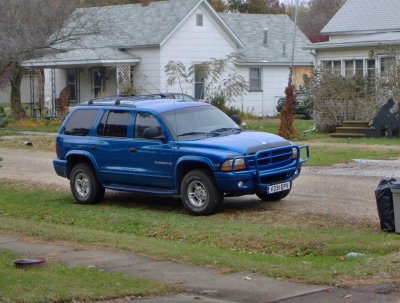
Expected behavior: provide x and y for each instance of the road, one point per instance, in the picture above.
(344, 190)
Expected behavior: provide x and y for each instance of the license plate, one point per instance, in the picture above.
(278, 187)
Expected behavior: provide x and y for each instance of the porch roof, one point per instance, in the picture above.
(83, 57)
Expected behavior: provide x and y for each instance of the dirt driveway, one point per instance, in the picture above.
(344, 190)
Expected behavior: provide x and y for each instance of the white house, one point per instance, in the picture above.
(143, 39)
(359, 35)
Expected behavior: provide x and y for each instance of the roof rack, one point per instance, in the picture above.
(117, 102)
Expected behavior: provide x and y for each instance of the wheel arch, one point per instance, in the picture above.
(79, 157)
(186, 164)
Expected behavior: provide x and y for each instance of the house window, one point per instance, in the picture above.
(359, 68)
(72, 84)
(334, 67)
(255, 79)
(199, 77)
(371, 69)
(337, 68)
(98, 74)
(199, 19)
(349, 68)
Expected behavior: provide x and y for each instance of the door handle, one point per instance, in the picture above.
(133, 150)
(92, 148)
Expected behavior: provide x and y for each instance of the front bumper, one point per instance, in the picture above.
(257, 180)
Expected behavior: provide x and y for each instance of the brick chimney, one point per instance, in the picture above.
(146, 2)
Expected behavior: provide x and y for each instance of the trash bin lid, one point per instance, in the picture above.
(395, 186)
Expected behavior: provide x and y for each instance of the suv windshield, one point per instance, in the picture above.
(199, 122)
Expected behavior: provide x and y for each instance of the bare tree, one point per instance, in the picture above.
(29, 28)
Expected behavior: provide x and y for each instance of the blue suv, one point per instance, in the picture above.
(171, 147)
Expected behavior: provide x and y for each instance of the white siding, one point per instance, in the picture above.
(192, 44)
(147, 72)
(5, 96)
(274, 82)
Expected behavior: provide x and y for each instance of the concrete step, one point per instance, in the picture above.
(346, 135)
(356, 124)
(352, 130)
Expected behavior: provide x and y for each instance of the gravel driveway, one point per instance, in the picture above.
(345, 190)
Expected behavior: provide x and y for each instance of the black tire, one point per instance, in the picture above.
(275, 196)
(200, 194)
(84, 185)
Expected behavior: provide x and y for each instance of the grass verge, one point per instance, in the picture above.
(305, 248)
(56, 283)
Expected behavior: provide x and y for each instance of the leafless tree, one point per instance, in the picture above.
(29, 28)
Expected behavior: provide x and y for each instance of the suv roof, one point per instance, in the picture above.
(158, 105)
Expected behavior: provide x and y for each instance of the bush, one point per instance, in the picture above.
(3, 120)
(335, 99)
(220, 103)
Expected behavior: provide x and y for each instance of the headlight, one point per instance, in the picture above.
(294, 154)
(238, 165)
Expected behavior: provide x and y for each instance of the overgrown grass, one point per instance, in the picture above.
(29, 124)
(306, 248)
(56, 283)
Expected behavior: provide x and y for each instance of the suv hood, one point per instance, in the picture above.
(246, 142)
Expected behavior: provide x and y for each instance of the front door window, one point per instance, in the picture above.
(97, 82)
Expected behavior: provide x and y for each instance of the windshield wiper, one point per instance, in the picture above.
(225, 129)
(193, 134)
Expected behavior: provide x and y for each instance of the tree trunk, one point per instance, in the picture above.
(17, 112)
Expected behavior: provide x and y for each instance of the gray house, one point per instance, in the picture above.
(358, 35)
(141, 40)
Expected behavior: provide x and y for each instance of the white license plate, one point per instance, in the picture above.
(278, 187)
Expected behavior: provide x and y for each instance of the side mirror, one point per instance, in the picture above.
(153, 132)
(236, 119)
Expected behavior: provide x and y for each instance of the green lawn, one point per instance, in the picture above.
(279, 244)
(56, 283)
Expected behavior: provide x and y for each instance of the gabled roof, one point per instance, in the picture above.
(250, 29)
(392, 38)
(134, 25)
(365, 16)
(77, 57)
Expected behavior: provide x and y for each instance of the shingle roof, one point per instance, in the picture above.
(250, 29)
(82, 56)
(367, 40)
(365, 16)
(134, 25)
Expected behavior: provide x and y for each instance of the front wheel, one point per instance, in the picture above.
(200, 194)
(275, 196)
(84, 185)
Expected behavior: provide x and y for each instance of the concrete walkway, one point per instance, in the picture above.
(203, 284)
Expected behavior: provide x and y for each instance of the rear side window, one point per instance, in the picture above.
(80, 123)
(114, 124)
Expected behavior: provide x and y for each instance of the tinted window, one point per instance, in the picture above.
(143, 121)
(114, 124)
(80, 123)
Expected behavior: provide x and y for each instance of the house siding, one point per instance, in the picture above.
(274, 81)
(193, 44)
(147, 72)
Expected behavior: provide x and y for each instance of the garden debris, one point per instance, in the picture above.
(247, 278)
(355, 255)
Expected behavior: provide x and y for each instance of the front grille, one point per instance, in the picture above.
(269, 159)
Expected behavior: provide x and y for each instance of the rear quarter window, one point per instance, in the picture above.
(80, 123)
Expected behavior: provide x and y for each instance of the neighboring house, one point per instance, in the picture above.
(359, 35)
(146, 38)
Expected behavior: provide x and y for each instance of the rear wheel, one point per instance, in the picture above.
(84, 185)
(200, 194)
